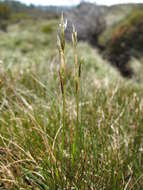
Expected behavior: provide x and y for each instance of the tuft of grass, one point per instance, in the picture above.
(63, 83)
(103, 152)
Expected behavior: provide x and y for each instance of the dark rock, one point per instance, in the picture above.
(88, 21)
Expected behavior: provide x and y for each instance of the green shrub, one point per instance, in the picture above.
(48, 28)
(126, 40)
(5, 13)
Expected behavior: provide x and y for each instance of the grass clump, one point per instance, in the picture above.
(76, 83)
(101, 125)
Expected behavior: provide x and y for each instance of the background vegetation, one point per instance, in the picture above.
(124, 41)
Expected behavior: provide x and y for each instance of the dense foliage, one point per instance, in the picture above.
(5, 13)
(15, 11)
(126, 40)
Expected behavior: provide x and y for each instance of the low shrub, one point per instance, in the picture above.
(48, 28)
(5, 13)
(126, 41)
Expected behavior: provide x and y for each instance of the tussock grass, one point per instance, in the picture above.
(108, 152)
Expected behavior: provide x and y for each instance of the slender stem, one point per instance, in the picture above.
(64, 113)
(77, 103)
(62, 73)
(63, 90)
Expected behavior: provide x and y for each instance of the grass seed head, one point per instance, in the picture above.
(74, 37)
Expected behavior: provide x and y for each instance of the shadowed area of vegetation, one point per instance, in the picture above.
(5, 13)
(125, 41)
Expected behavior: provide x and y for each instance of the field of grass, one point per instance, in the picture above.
(104, 151)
